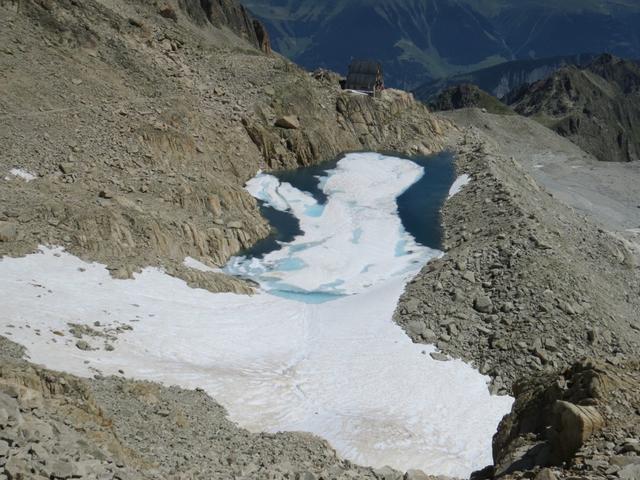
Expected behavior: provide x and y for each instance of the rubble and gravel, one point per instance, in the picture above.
(527, 284)
(529, 288)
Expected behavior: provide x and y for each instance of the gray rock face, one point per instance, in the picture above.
(230, 14)
(596, 106)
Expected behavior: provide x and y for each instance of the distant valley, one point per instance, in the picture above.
(422, 40)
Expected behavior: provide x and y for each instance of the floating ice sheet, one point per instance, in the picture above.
(355, 241)
(341, 369)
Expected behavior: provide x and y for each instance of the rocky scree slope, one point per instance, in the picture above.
(527, 289)
(141, 122)
(57, 426)
(526, 285)
(596, 106)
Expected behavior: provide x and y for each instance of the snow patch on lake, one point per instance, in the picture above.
(361, 205)
(338, 367)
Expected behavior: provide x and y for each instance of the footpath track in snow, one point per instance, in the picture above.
(315, 350)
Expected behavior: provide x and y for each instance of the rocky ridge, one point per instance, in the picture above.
(499, 80)
(529, 288)
(468, 96)
(526, 285)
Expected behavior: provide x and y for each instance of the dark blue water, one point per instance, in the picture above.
(284, 228)
(418, 207)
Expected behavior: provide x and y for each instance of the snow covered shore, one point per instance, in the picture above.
(315, 350)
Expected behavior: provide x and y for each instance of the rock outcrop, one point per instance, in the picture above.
(552, 418)
(230, 14)
(468, 96)
(581, 421)
(393, 121)
(597, 106)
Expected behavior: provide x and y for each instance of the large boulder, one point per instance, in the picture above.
(8, 232)
(572, 426)
(552, 417)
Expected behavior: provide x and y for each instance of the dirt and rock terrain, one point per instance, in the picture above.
(127, 131)
(139, 129)
(58, 426)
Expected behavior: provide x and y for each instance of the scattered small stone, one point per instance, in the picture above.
(289, 122)
(67, 168)
(483, 304)
(440, 357)
(106, 194)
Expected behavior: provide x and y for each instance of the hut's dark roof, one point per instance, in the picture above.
(363, 75)
(370, 67)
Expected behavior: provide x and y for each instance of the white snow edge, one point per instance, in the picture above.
(460, 182)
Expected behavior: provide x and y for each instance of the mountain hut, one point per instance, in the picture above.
(365, 76)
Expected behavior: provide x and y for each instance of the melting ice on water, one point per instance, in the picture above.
(285, 358)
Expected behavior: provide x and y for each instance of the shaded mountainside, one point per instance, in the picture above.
(500, 80)
(597, 107)
(468, 96)
(415, 40)
(419, 41)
